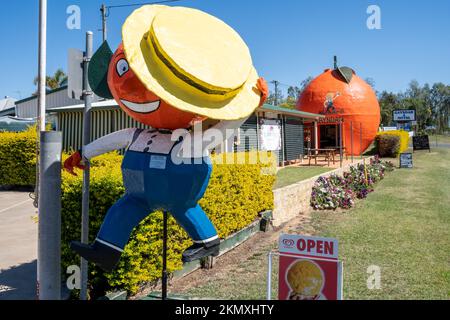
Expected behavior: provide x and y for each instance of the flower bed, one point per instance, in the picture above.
(330, 193)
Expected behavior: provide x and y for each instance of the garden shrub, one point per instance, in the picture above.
(388, 145)
(233, 199)
(18, 158)
(392, 143)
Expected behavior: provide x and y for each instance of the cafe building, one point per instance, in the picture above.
(350, 109)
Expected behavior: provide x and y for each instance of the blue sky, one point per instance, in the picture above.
(289, 39)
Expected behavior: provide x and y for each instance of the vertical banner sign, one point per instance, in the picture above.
(309, 268)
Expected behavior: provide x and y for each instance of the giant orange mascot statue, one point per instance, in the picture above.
(175, 67)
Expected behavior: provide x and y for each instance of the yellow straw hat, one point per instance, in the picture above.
(191, 60)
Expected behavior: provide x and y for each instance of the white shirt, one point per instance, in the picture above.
(186, 144)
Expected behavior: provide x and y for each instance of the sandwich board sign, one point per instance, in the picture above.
(406, 160)
(421, 143)
(309, 268)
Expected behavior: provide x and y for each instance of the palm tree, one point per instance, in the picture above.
(54, 82)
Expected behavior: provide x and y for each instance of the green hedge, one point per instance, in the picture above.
(18, 158)
(235, 196)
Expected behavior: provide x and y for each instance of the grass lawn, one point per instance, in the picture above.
(290, 175)
(403, 227)
(440, 139)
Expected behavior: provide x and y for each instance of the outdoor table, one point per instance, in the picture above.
(329, 154)
(344, 151)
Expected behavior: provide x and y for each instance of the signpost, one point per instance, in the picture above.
(404, 115)
(309, 269)
(406, 160)
(87, 97)
(75, 65)
(49, 185)
(421, 143)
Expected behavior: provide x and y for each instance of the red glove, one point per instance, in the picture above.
(74, 161)
(261, 84)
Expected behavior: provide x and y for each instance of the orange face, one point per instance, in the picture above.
(140, 103)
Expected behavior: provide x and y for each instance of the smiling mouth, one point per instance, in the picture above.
(146, 107)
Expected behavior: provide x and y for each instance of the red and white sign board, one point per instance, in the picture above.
(309, 268)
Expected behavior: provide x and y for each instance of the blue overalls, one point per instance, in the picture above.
(153, 181)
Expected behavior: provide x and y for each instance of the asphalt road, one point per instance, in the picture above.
(439, 145)
(18, 246)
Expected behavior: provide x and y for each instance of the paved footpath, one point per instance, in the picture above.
(18, 246)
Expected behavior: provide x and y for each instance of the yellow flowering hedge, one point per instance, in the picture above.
(18, 158)
(403, 144)
(237, 192)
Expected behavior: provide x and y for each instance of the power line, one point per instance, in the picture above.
(141, 4)
(105, 10)
(275, 82)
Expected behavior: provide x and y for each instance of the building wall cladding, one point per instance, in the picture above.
(291, 136)
(293, 139)
(106, 121)
(27, 108)
(103, 122)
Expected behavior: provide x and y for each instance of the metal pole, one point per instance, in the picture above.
(42, 60)
(269, 276)
(360, 139)
(164, 257)
(316, 135)
(87, 96)
(49, 228)
(340, 140)
(351, 138)
(275, 82)
(103, 11)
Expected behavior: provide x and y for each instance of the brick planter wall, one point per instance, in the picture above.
(293, 200)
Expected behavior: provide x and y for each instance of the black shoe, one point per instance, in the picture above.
(102, 255)
(201, 250)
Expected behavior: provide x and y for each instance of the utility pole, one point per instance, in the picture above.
(276, 83)
(87, 96)
(42, 65)
(104, 31)
(48, 185)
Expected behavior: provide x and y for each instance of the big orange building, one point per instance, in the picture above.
(346, 100)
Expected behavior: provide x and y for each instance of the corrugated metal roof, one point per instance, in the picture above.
(267, 107)
(7, 103)
(34, 97)
(291, 112)
(100, 104)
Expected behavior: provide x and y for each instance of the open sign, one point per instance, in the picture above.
(309, 246)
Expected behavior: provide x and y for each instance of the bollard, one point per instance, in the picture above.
(49, 228)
